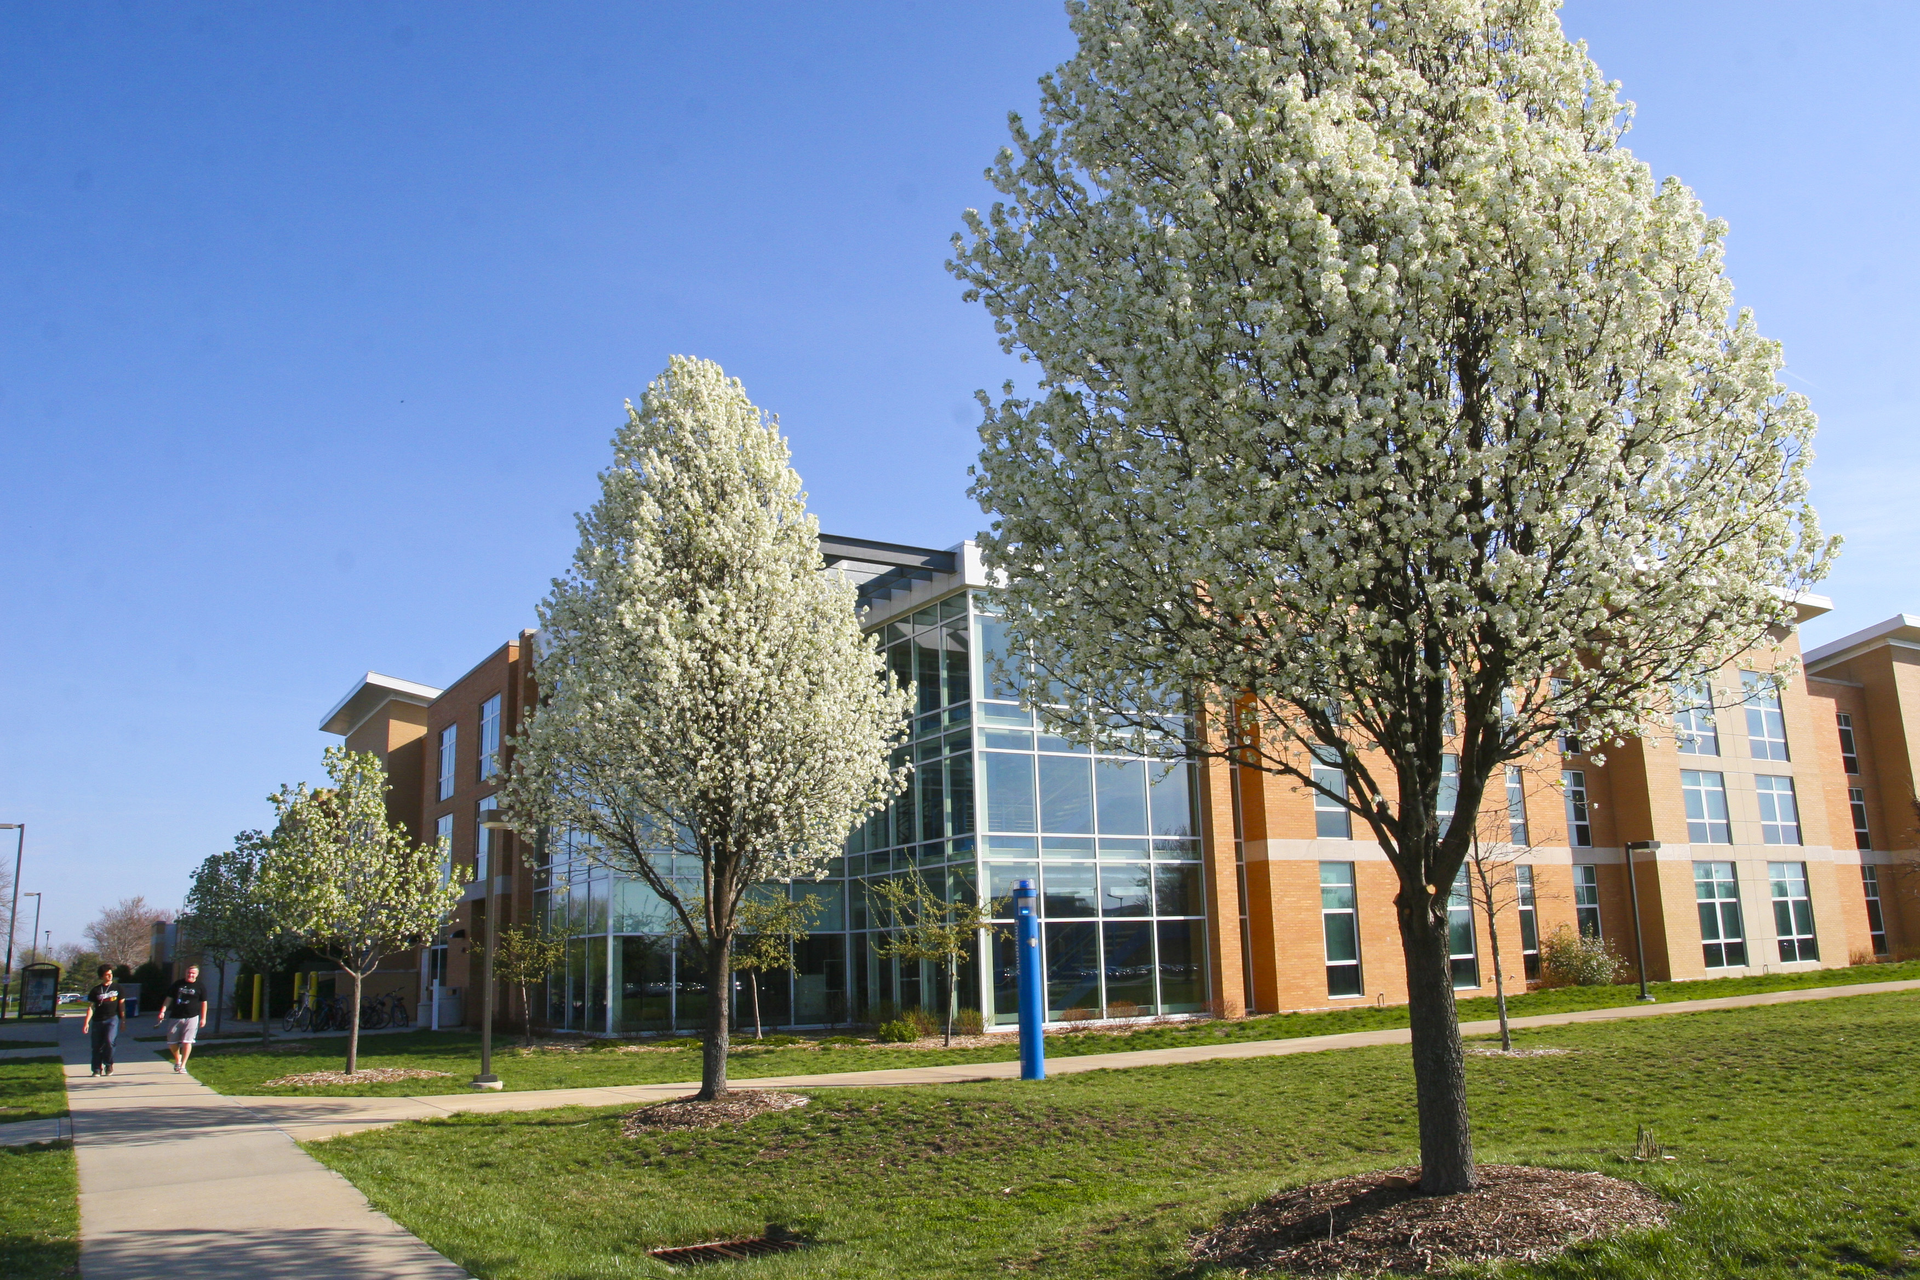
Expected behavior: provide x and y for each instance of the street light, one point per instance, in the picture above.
(1633, 893)
(486, 1079)
(13, 912)
(33, 938)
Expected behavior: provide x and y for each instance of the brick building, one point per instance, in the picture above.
(1785, 824)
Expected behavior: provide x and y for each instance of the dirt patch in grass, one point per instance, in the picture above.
(739, 1106)
(1495, 1051)
(365, 1075)
(1379, 1222)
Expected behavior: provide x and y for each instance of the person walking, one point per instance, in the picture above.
(187, 999)
(104, 1008)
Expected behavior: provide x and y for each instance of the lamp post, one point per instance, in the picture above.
(13, 912)
(1633, 893)
(33, 936)
(486, 1079)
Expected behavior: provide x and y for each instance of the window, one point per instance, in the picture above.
(1849, 753)
(449, 746)
(1857, 801)
(483, 838)
(1779, 816)
(443, 837)
(1460, 945)
(1529, 922)
(1876, 922)
(1331, 820)
(1693, 727)
(1449, 788)
(1569, 736)
(1706, 796)
(1766, 727)
(489, 737)
(1579, 830)
(1586, 899)
(1340, 927)
(1792, 911)
(1516, 806)
(1722, 934)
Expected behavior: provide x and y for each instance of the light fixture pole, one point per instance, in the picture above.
(13, 912)
(486, 1079)
(33, 937)
(1633, 893)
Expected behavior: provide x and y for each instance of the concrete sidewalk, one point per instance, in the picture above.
(176, 1180)
(308, 1119)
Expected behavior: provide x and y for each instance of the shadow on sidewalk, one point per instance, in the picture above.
(311, 1253)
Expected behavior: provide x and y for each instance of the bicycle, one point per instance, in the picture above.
(373, 1014)
(388, 1010)
(299, 1018)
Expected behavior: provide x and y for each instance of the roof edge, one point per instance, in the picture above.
(368, 695)
(1866, 638)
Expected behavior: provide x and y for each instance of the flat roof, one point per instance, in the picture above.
(1901, 627)
(881, 570)
(371, 692)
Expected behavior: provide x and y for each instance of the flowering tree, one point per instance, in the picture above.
(225, 913)
(1380, 386)
(349, 880)
(708, 694)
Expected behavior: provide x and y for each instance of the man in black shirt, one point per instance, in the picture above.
(188, 1000)
(103, 1020)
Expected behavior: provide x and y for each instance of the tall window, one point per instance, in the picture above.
(1331, 820)
(443, 837)
(1516, 806)
(1766, 727)
(1693, 726)
(1529, 922)
(1568, 738)
(1706, 796)
(489, 737)
(1857, 802)
(1340, 926)
(1722, 934)
(1849, 753)
(483, 838)
(1876, 921)
(1460, 944)
(1586, 898)
(1579, 829)
(1449, 797)
(1792, 911)
(449, 748)
(1779, 815)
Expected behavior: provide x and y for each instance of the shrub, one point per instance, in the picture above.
(1569, 959)
(969, 1022)
(899, 1031)
(921, 1021)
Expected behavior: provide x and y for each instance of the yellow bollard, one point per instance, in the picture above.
(256, 997)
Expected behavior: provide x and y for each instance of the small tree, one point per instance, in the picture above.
(713, 717)
(1502, 837)
(123, 932)
(927, 926)
(770, 928)
(352, 882)
(523, 956)
(225, 911)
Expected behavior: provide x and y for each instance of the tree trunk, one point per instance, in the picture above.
(266, 1002)
(953, 997)
(1439, 1063)
(713, 1054)
(353, 1025)
(753, 976)
(1499, 975)
(526, 1014)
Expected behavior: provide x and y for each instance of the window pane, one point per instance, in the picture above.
(1126, 889)
(1068, 890)
(1176, 889)
(1129, 967)
(1010, 805)
(1171, 786)
(959, 664)
(1343, 936)
(1066, 793)
(1183, 964)
(1073, 969)
(1122, 789)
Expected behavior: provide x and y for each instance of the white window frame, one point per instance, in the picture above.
(490, 737)
(1876, 912)
(1586, 899)
(1723, 934)
(1524, 907)
(1857, 805)
(1568, 738)
(1694, 730)
(1792, 911)
(1579, 817)
(1448, 799)
(1779, 809)
(443, 837)
(483, 838)
(1849, 746)
(1331, 819)
(1352, 913)
(1766, 721)
(1706, 791)
(449, 755)
(1459, 915)
(1516, 805)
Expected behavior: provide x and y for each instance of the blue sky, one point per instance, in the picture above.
(315, 322)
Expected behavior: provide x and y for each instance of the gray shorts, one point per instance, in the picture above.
(182, 1030)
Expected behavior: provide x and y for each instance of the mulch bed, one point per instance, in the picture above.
(1379, 1222)
(1495, 1051)
(739, 1106)
(365, 1075)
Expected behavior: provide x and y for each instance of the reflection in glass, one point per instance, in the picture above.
(1121, 786)
(1073, 970)
(1066, 793)
(1009, 791)
(1068, 891)
(1176, 889)
(1129, 969)
(1126, 889)
(1182, 964)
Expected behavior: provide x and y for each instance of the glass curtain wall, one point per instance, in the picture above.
(1113, 840)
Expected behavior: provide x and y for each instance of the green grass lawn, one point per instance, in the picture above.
(39, 1212)
(239, 1068)
(1795, 1129)
(31, 1089)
